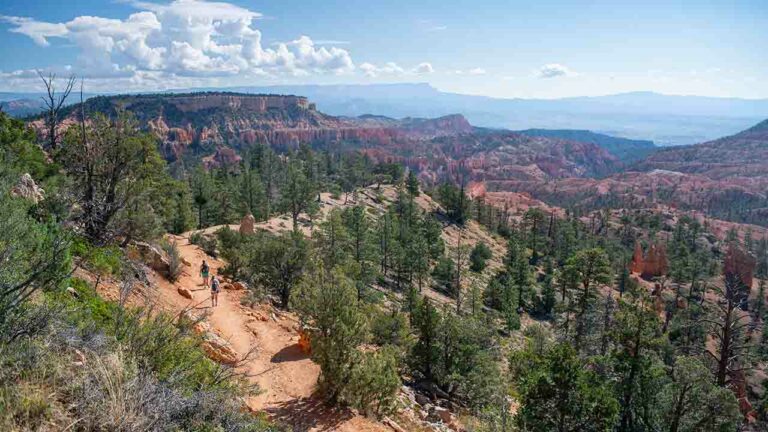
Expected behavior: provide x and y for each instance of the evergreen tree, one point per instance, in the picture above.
(298, 193)
(479, 255)
(561, 395)
(112, 165)
(362, 244)
(426, 320)
(692, 403)
(328, 302)
(202, 194)
(589, 268)
(412, 183)
(276, 263)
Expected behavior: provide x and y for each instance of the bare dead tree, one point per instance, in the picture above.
(54, 100)
(727, 328)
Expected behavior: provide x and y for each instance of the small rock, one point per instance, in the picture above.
(81, 360)
(185, 262)
(73, 292)
(184, 292)
(422, 400)
(391, 423)
(201, 327)
(442, 414)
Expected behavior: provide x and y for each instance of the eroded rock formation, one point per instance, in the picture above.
(739, 263)
(652, 264)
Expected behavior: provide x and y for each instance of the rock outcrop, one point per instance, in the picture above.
(27, 188)
(150, 255)
(248, 225)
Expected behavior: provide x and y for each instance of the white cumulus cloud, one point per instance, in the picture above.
(183, 38)
(554, 70)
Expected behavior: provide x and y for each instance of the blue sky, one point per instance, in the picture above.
(489, 47)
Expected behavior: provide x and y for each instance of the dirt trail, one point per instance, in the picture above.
(286, 376)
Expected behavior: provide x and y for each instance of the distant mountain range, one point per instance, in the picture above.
(627, 150)
(663, 119)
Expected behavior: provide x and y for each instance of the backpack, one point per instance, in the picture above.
(205, 268)
(215, 285)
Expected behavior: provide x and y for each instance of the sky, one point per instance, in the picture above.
(541, 49)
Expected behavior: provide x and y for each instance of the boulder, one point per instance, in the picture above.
(237, 286)
(184, 292)
(248, 225)
(219, 350)
(150, 255)
(27, 188)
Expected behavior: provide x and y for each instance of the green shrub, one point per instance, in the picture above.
(479, 255)
(207, 243)
(374, 382)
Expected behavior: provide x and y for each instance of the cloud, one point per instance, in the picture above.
(423, 68)
(554, 70)
(393, 69)
(429, 25)
(183, 38)
(39, 32)
(473, 71)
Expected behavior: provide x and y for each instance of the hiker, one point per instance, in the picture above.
(215, 284)
(204, 269)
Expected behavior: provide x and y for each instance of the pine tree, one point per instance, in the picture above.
(412, 183)
(589, 268)
(426, 320)
(562, 395)
(327, 301)
(298, 193)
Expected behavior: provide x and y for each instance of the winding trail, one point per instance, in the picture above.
(286, 376)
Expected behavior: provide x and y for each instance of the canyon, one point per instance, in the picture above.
(724, 178)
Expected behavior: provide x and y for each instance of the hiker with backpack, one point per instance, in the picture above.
(215, 287)
(204, 270)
